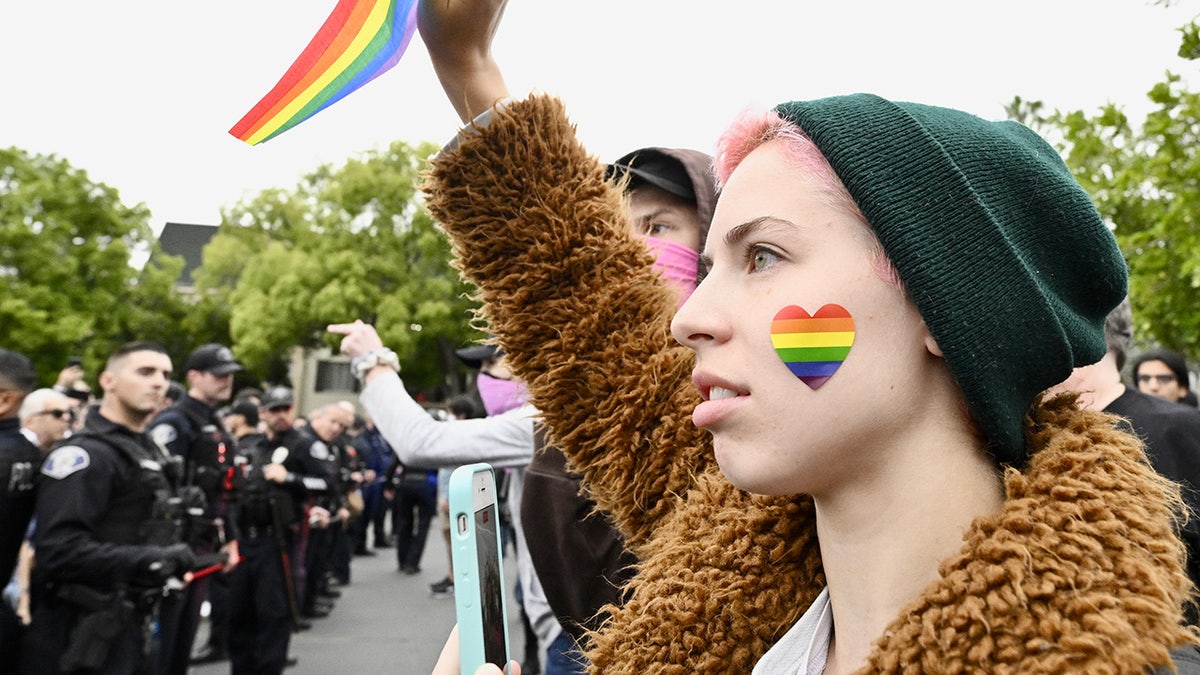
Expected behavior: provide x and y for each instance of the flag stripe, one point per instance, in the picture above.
(358, 42)
(812, 339)
(811, 354)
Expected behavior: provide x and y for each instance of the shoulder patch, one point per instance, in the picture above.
(65, 461)
(319, 450)
(280, 455)
(163, 434)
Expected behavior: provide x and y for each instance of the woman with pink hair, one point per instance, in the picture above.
(835, 457)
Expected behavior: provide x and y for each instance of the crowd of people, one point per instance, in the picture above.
(125, 515)
(846, 395)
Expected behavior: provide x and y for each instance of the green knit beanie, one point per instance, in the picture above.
(998, 246)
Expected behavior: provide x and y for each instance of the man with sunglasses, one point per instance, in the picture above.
(47, 416)
(1171, 432)
(281, 476)
(1163, 373)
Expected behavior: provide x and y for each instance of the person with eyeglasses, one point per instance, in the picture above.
(1171, 432)
(47, 416)
(1163, 373)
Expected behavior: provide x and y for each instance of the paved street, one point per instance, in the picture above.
(385, 621)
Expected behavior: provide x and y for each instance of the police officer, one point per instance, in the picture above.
(327, 424)
(108, 529)
(19, 460)
(280, 476)
(192, 430)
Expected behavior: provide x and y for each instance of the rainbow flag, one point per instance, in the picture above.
(359, 41)
(813, 347)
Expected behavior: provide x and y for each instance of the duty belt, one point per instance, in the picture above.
(257, 531)
(91, 599)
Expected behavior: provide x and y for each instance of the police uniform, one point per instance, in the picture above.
(322, 460)
(414, 506)
(19, 462)
(349, 464)
(107, 539)
(192, 431)
(263, 604)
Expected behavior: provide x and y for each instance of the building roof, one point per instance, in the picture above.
(187, 241)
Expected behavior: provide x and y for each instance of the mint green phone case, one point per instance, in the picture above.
(479, 597)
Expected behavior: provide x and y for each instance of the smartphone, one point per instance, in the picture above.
(479, 602)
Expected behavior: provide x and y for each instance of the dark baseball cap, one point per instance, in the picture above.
(277, 397)
(247, 409)
(653, 166)
(475, 355)
(213, 358)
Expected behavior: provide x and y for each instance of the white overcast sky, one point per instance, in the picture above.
(141, 93)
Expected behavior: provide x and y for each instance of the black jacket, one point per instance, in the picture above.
(19, 462)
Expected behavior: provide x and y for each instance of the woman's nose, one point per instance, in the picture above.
(699, 320)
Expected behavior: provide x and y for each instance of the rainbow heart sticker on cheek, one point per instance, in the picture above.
(813, 346)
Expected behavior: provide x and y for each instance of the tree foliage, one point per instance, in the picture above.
(66, 283)
(348, 242)
(1146, 182)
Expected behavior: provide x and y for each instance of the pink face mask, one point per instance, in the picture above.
(677, 263)
(500, 395)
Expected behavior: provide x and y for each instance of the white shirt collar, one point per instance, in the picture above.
(30, 436)
(804, 649)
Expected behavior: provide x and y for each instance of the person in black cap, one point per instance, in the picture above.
(242, 421)
(192, 431)
(279, 476)
(671, 194)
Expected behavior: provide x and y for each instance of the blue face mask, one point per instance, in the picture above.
(500, 395)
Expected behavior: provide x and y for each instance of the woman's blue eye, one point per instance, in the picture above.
(762, 258)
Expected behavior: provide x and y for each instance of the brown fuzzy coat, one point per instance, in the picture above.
(1079, 572)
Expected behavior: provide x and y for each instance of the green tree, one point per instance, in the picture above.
(348, 242)
(1146, 182)
(66, 283)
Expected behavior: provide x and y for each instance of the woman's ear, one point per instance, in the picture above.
(931, 344)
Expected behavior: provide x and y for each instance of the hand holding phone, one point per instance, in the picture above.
(448, 661)
(479, 598)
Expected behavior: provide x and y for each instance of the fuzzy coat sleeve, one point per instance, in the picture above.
(574, 300)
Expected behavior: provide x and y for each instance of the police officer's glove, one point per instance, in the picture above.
(173, 561)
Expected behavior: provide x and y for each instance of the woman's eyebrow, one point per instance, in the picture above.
(739, 233)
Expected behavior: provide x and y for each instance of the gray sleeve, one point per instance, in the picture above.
(423, 442)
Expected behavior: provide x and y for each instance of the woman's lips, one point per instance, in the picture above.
(720, 400)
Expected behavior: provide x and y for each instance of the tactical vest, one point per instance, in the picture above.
(146, 511)
(260, 501)
(210, 460)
